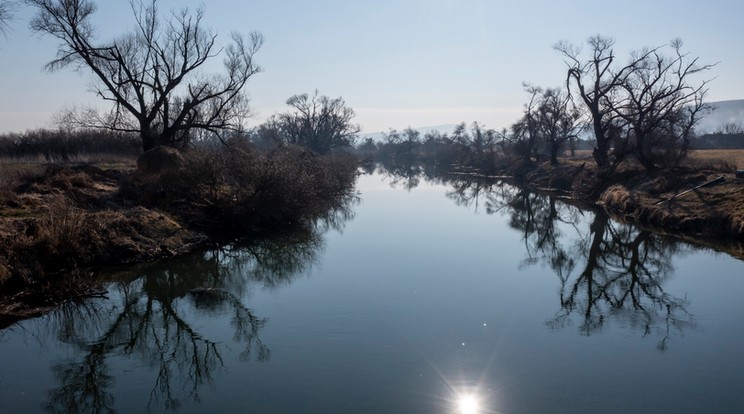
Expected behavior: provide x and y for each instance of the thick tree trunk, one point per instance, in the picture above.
(600, 152)
(150, 140)
(554, 147)
(644, 155)
(602, 145)
(645, 161)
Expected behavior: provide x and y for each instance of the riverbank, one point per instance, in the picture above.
(702, 199)
(59, 223)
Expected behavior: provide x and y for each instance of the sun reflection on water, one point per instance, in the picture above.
(472, 399)
(468, 404)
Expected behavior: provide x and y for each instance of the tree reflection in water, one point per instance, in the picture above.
(406, 172)
(612, 271)
(147, 319)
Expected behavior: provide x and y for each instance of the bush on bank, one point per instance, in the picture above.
(238, 191)
(65, 220)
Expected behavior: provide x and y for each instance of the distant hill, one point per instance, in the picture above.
(725, 112)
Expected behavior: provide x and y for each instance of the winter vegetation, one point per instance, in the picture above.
(170, 162)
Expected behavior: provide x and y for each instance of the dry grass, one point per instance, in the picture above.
(734, 157)
(14, 174)
(59, 213)
(638, 195)
(714, 211)
(57, 219)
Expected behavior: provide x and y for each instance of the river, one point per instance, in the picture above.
(423, 296)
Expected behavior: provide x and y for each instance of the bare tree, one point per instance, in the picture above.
(525, 132)
(478, 147)
(730, 128)
(318, 123)
(647, 106)
(153, 76)
(660, 106)
(557, 120)
(597, 82)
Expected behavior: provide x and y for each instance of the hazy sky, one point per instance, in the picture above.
(397, 62)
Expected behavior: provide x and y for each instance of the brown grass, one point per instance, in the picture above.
(59, 221)
(734, 157)
(58, 217)
(635, 194)
(14, 174)
(709, 211)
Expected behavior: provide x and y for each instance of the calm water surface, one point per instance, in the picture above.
(455, 297)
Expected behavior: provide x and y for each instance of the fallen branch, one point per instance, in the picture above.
(710, 183)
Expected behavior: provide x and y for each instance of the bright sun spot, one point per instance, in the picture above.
(467, 404)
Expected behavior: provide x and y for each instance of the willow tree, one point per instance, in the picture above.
(647, 106)
(153, 76)
(318, 122)
(661, 105)
(597, 80)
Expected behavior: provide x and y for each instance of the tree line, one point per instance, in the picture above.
(644, 108)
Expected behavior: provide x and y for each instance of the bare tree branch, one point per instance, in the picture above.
(153, 76)
(318, 123)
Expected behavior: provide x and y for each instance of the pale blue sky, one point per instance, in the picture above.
(398, 62)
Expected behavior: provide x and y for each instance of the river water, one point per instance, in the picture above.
(458, 297)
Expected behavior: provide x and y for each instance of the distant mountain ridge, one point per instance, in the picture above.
(724, 112)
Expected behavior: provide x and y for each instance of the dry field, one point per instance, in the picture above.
(734, 157)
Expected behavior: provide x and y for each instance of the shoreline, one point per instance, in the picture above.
(59, 227)
(711, 216)
(74, 220)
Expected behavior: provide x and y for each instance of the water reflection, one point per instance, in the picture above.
(623, 277)
(468, 404)
(608, 271)
(147, 320)
(403, 171)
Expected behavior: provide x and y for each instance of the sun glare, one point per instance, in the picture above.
(467, 404)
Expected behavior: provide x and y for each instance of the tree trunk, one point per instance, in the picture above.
(149, 140)
(554, 147)
(643, 153)
(600, 150)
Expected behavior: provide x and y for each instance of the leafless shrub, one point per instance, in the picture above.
(43, 145)
(240, 189)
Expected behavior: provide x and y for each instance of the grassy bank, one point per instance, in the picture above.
(59, 222)
(667, 199)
